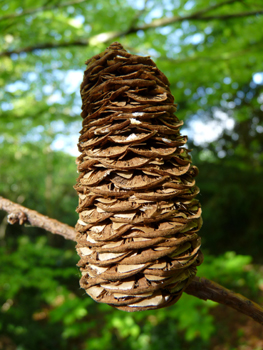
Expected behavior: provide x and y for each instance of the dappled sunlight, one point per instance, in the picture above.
(204, 132)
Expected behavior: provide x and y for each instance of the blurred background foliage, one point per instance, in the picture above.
(211, 51)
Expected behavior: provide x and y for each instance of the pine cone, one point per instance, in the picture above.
(138, 216)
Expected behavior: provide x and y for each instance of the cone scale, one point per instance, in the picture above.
(137, 233)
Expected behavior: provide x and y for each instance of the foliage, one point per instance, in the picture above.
(60, 316)
(213, 61)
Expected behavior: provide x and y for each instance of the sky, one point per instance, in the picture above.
(201, 132)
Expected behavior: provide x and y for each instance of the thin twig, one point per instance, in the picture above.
(138, 15)
(195, 16)
(201, 288)
(19, 214)
(205, 289)
(45, 46)
(109, 36)
(40, 9)
(233, 15)
(224, 57)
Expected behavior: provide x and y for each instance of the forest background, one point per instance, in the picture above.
(211, 52)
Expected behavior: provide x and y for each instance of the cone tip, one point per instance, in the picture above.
(116, 46)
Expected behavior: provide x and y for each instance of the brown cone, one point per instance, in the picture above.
(138, 216)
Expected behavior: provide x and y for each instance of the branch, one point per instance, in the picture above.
(195, 16)
(205, 289)
(138, 15)
(22, 215)
(40, 9)
(201, 288)
(109, 36)
(45, 46)
(224, 57)
(233, 15)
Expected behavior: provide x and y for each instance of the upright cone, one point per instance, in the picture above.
(138, 216)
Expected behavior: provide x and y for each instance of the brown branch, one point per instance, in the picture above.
(20, 214)
(195, 16)
(31, 11)
(40, 9)
(138, 15)
(45, 46)
(109, 36)
(224, 57)
(201, 288)
(233, 15)
(205, 289)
